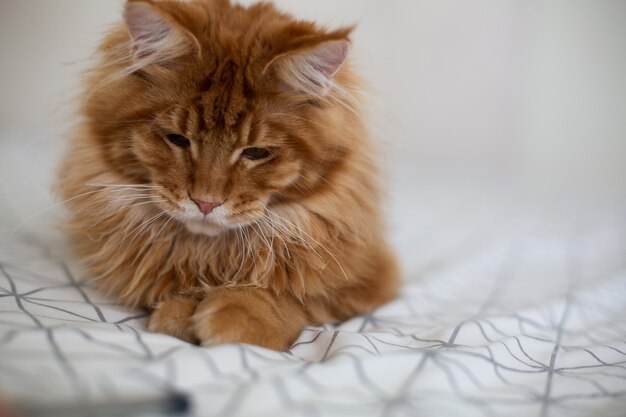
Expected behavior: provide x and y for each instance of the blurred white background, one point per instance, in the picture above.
(529, 90)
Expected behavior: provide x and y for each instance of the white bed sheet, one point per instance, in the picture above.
(511, 306)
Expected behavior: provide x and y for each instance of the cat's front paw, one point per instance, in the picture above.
(173, 317)
(241, 316)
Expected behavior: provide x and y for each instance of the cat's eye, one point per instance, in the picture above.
(178, 140)
(256, 153)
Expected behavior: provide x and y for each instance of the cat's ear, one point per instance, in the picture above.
(156, 37)
(311, 70)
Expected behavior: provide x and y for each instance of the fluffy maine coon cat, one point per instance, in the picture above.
(222, 176)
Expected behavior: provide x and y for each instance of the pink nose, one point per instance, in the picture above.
(206, 206)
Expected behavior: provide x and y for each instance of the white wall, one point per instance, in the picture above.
(534, 88)
(574, 91)
(43, 45)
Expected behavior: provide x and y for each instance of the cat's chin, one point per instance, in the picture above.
(203, 228)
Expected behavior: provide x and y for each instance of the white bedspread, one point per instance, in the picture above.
(510, 307)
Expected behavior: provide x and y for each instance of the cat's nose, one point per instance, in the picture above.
(206, 206)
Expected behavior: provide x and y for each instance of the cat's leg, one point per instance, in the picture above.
(248, 315)
(173, 317)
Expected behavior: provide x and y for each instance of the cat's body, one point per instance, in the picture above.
(221, 179)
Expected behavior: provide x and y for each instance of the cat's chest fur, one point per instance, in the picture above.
(142, 258)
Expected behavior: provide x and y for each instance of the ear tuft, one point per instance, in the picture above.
(155, 37)
(311, 71)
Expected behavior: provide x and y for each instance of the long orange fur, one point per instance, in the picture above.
(300, 240)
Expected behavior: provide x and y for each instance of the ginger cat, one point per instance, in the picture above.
(221, 175)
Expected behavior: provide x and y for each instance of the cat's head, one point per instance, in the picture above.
(226, 109)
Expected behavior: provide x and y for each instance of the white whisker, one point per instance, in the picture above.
(21, 224)
(315, 241)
